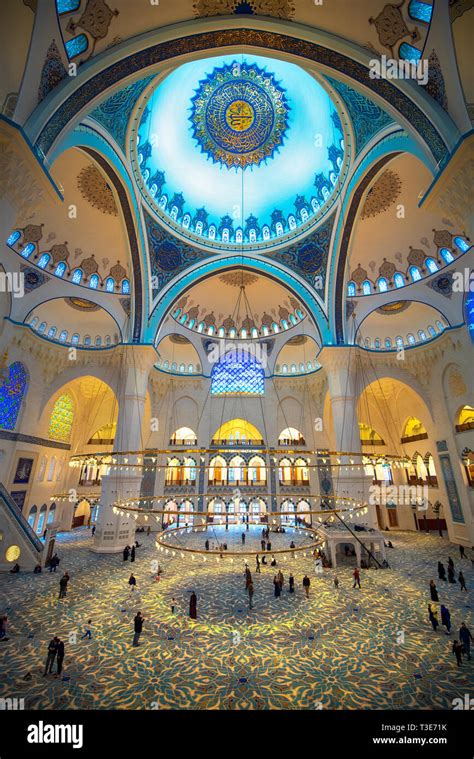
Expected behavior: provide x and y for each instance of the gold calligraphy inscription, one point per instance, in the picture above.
(239, 115)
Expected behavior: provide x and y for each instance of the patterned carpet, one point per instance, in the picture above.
(341, 649)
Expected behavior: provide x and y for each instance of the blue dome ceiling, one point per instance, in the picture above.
(239, 152)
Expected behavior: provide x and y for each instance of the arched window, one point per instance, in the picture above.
(399, 341)
(414, 273)
(293, 368)
(408, 52)
(190, 368)
(125, 287)
(94, 282)
(420, 11)
(12, 392)
(75, 338)
(13, 238)
(377, 343)
(34, 322)
(186, 221)
(431, 330)
(87, 340)
(398, 279)
(422, 334)
(51, 468)
(28, 250)
(278, 228)
(63, 336)
(382, 284)
(446, 255)
(225, 235)
(163, 202)
(275, 327)
(98, 341)
(366, 287)
(61, 420)
(51, 514)
(239, 236)
(41, 518)
(110, 284)
(237, 373)
(291, 222)
(314, 205)
(439, 326)
(388, 343)
(42, 327)
(266, 232)
(77, 276)
(60, 269)
(411, 339)
(462, 244)
(199, 227)
(351, 289)
(52, 332)
(431, 265)
(212, 232)
(32, 516)
(253, 235)
(76, 46)
(108, 341)
(44, 260)
(304, 215)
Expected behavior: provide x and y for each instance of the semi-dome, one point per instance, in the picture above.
(239, 151)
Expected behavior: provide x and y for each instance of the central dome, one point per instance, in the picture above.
(243, 152)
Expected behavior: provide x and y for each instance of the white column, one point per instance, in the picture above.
(114, 531)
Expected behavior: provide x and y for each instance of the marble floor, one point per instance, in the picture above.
(372, 648)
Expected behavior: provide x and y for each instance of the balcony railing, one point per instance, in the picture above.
(226, 482)
(239, 443)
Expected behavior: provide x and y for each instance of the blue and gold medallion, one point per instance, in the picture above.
(239, 115)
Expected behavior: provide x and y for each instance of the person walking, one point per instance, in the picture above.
(433, 591)
(462, 552)
(248, 577)
(451, 576)
(306, 585)
(276, 587)
(250, 590)
(356, 575)
(281, 579)
(462, 581)
(126, 553)
(88, 632)
(193, 606)
(137, 627)
(291, 584)
(450, 562)
(243, 538)
(60, 657)
(132, 553)
(446, 619)
(465, 637)
(441, 571)
(63, 585)
(257, 565)
(457, 651)
(173, 605)
(132, 582)
(433, 617)
(52, 651)
(93, 530)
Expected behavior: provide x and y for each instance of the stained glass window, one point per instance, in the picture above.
(366, 287)
(76, 46)
(77, 276)
(461, 243)
(110, 284)
(67, 6)
(94, 282)
(63, 336)
(398, 279)
(351, 289)
(12, 391)
(431, 265)
(446, 255)
(469, 311)
(420, 11)
(28, 250)
(62, 417)
(125, 286)
(414, 273)
(14, 237)
(43, 262)
(237, 373)
(60, 269)
(408, 52)
(382, 284)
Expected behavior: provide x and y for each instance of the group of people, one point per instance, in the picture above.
(130, 551)
(463, 644)
(55, 653)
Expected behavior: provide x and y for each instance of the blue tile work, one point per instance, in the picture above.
(114, 113)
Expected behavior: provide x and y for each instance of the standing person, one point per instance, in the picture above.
(276, 587)
(93, 530)
(446, 619)
(250, 589)
(441, 571)
(336, 581)
(63, 585)
(243, 538)
(262, 543)
(88, 632)
(356, 575)
(433, 591)
(281, 579)
(451, 576)
(132, 553)
(138, 627)
(248, 577)
(52, 651)
(173, 605)
(465, 637)
(132, 582)
(457, 651)
(462, 581)
(462, 553)
(269, 546)
(206, 545)
(60, 657)
(432, 617)
(126, 553)
(291, 584)
(3, 627)
(148, 531)
(306, 585)
(193, 606)
(257, 565)
(450, 562)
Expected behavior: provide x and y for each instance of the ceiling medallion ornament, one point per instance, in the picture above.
(94, 188)
(238, 279)
(239, 115)
(382, 194)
